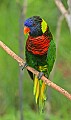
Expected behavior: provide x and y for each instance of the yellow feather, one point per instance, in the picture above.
(42, 96)
(35, 84)
(43, 68)
(37, 92)
(44, 26)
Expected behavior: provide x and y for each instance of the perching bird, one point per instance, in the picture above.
(40, 54)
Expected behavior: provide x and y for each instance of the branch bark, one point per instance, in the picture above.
(69, 5)
(21, 63)
(61, 7)
(65, 13)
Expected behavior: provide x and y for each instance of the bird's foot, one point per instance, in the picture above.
(25, 65)
(40, 75)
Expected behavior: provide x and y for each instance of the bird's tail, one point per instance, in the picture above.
(39, 92)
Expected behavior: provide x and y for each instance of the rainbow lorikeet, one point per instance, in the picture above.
(40, 54)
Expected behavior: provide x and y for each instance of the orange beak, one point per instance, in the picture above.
(26, 30)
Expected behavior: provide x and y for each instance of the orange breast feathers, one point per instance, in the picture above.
(38, 45)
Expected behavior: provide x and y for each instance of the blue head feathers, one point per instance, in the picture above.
(34, 23)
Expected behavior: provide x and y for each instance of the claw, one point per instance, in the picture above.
(25, 65)
(40, 75)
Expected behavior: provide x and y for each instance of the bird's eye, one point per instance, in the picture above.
(34, 24)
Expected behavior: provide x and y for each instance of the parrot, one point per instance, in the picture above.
(40, 52)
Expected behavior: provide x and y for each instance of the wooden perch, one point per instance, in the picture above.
(21, 62)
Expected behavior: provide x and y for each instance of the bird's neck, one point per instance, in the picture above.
(38, 45)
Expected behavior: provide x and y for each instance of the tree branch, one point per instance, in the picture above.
(65, 12)
(22, 9)
(69, 8)
(21, 63)
(61, 7)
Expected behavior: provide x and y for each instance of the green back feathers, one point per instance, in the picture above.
(51, 55)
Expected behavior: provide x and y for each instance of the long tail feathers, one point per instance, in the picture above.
(35, 84)
(42, 96)
(39, 92)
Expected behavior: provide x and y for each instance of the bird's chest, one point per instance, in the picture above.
(38, 45)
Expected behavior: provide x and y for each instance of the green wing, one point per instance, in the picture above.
(51, 55)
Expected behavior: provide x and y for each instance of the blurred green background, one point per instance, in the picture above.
(58, 107)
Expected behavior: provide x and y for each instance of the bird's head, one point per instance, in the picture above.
(35, 26)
